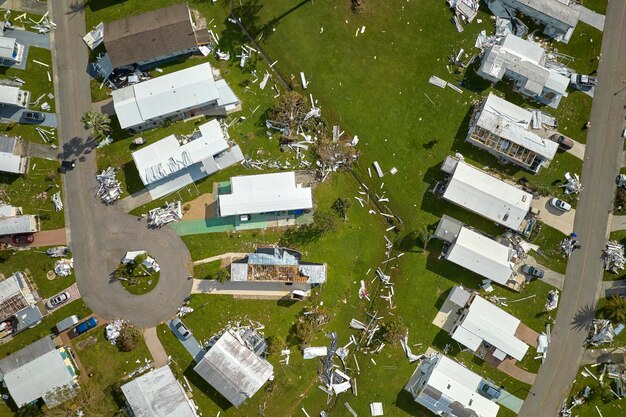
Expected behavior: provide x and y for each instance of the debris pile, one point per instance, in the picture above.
(618, 374)
(573, 185)
(613, 256)
(109, 189)
(113, 330)
(553, 300)
(465, 9)
(601, 332)
(183, 311)
(160, 216)
(569, 244)
(63, 267)
(57, 251)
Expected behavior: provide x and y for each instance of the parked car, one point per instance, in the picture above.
(23, 239)
(564, 142)
(560, 204)
(85, 326)
(624, 133)
(58, 300)
(34, 116)
(532, 271)
(67, 165)
(490, 392)
(180, 329)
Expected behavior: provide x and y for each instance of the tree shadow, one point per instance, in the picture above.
(582, 318)
(77, 146)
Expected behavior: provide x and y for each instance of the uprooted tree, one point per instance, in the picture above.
(335, 153)
(307, 324)
(290, 110)
(393, 330)
(129, 337)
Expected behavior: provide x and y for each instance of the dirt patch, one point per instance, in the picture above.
(200, 208)
(84, 344)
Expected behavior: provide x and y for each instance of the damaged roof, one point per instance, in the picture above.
(149, 35)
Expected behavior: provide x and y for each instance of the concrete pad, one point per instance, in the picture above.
(590, 17)
(446, 316)
(557, 219)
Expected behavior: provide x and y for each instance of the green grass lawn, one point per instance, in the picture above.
(32, 192)
(110, 366)
(206, 271)
(609, 407)
(141, 284)
(373, 85)
(38, 264)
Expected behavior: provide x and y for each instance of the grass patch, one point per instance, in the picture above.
(611, 407)
(549, 241)
(38, 264)
(207, 271)
(32, 192)
(141, 284)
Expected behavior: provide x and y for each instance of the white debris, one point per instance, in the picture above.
(613, 257)
(553, 300)
(160, 216)
(56, 200)
(314, 352)
(184, 310)
(109, 189)
(113, 329)
(63, 267)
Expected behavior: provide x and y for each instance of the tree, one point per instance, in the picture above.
(615, 308)
(331, 153)
(324, 220)
(275, 344)
(89, 398)
(394, 330)
(620, 199)
(222, 275)
(29, 410)
(341, 206)
(99, 123)
(129, 338)
(304, 331)
(423, 235)
(289, 110)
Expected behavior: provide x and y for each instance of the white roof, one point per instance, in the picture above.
(7, 46)
(167, 156)
(481, 255)
(511, 122)
(487, 196)
(158, 394)
(11, 163)
(265, 193)
(9, 95)
(525, 50)
(460, 384)
(185, 89)
(486, 322)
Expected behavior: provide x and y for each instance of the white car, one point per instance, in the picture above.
(560, 204)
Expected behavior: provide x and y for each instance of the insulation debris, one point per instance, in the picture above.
(113, 330)
(601, 332)
(553, 300)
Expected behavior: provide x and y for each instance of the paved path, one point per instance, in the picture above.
(159, 356)
(578, 150)
(100, 235)
(563, 222)
(229, 255)
(191, 345)
(30, 6)
(590, 17)
(603, 157)
(271, 290)
(619, 223)
(131, 202)
(28, 38)
(611, 288)
(615, 355)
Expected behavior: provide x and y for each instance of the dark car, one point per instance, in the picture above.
(85, 326)
(564, 142)
(532, 271)
(23, 239)
(34, 116)
(67, 165)
(180, 329)
(490, 392)
(58, 300)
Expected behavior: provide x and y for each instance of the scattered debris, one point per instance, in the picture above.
(376, 409)
(553, 300)
(56, 200)
(57, 251)
(434, 80)
(113, 329)
(314, 352)
(183, 311)
(573, 185)
(110, 189)
(160, 216)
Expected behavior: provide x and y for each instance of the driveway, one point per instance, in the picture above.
(590, 17)
(578, 150)
(603, 157)
(246, 289)
(549, 277)
(27, 38)
(612, 288)
(191, 345)
(619, 223)
(563, 222)
(10, 114)
(74, 295)
(100, 235)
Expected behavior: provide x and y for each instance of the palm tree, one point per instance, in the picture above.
(615, 308)
(99, 123)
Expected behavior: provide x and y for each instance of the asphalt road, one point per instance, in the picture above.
(100, 235)
(583, 280)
